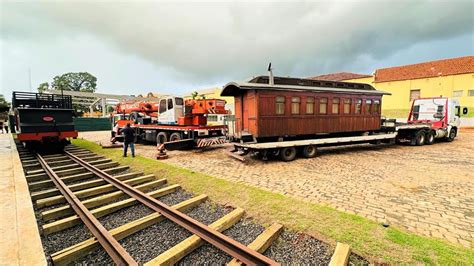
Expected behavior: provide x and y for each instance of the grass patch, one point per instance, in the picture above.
(396, 113)
(366, 237)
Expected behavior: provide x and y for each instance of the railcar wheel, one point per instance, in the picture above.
(175, 136)
(288, 154)
(430, 138)
(420, 138)
(161, 138)
(452, 135)
(309, 151)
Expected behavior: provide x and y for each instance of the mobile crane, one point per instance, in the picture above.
(172, 122)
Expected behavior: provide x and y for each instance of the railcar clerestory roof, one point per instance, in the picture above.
(298, 84)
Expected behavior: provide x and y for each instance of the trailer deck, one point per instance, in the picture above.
(322, 141)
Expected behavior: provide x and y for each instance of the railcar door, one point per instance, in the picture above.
(245, 113)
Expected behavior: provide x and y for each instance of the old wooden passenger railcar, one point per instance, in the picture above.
(275, 108)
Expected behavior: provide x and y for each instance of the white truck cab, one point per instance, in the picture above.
(441, 112)
(170, 109)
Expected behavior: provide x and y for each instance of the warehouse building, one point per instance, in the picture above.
(452, 77)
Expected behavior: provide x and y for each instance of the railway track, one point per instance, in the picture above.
(78, 189)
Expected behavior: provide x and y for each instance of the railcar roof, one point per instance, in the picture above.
(298, 84)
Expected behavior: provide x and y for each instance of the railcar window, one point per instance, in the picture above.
(310, 105)
(358, 106)
(295, 105)
(323, 105)
(347, 106)
(335, 105)
(280, 105)
(377, 106)
(368, 105)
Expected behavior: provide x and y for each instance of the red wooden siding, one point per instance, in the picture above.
(261, 120)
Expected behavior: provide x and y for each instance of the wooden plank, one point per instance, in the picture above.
(71, 221)
(50, 201)
(96, 201)
(179, 251)
(75, 187)
(341, 255)
(262, 242)
(70, 254)
(116, 169)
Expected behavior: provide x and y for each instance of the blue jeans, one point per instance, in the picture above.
(125, 148)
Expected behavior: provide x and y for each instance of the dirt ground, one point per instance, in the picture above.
(427, 190)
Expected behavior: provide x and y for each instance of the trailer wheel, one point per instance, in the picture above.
(452, 135)
(430, 138)
(161, 138)
(288, 154)
(419, 138)
(309, 151)
(175, 136)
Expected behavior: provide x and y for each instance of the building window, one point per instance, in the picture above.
(457, 93)
(295, 105)
(414, 94)
(347, 106)
(335, 105)
(377, 106)
(470, 93)
(310, 105)
(368, 105)
(323, 105)
(280, 105)
(358, 106)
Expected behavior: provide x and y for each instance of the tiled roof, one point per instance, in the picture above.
(340, 76)
(445, 67)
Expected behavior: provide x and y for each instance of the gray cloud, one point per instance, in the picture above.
(204, 42)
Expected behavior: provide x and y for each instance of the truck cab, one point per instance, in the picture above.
(170, 109)
(441, 112)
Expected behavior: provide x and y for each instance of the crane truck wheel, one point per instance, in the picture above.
(309, 151)
(420, 138)
(288, 154)
(430, 138)
(452, 135)
(161, 138)
(175, 136)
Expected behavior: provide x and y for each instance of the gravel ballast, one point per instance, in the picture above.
(299, 249)
(245, 231)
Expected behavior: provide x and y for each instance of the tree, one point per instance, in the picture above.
(81, 81)
(4, 105)
(43, 87)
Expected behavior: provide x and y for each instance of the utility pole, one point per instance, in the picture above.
(29, 77)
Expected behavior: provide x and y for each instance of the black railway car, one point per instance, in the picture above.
(43, 121)
(281, 108)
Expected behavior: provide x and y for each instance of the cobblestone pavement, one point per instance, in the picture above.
(428, 190)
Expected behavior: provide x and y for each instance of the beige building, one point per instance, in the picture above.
(452, 77)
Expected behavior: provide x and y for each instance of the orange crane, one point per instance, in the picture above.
(173, 121)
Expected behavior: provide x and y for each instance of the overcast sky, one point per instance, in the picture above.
(137, 47)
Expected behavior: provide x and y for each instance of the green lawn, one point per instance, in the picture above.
(368, 238)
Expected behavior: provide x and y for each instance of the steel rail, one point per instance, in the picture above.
(214, 237)
(118, 254)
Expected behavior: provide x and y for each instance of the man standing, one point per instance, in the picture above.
(129, 139)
